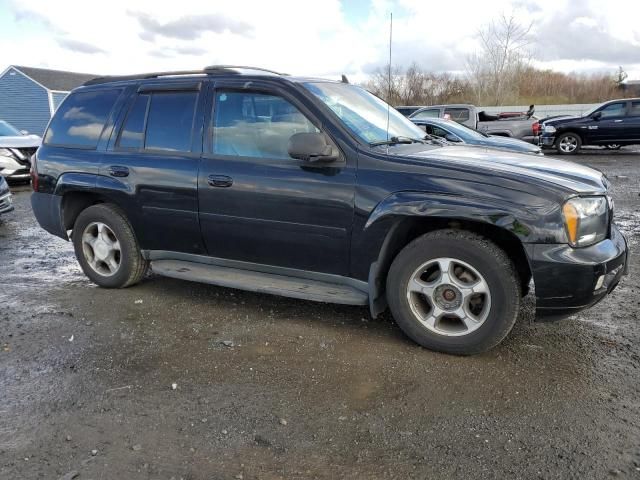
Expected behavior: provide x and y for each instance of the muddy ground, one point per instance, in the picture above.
(304, 390)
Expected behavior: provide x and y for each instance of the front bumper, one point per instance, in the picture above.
(6, 202)
(546, 141)
(568, 280)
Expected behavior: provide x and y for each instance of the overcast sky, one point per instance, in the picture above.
(308, 37)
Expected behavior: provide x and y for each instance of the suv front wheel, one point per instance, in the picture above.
(106, 247)
(454, 291)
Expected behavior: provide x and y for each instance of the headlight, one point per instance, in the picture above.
(586, 220)
(5, 152)
(549, 129)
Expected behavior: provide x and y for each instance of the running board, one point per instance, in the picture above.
(272, 283)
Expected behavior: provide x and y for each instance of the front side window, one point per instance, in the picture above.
(613, 110)
(254, 124)
(81, 118)
(439, 132)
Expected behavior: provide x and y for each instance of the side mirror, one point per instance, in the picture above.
(597, 115)
(24, 132)
(450, 137)
(312, 147)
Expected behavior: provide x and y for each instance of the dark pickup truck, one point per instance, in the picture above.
(317, 190)
(611, 125)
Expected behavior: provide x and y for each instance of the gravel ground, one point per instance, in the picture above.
(179, 380)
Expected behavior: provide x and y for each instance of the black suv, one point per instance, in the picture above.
(318, 190)
(611, 125)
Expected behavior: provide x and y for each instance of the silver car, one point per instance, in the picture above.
(16, 149)
(6, 203)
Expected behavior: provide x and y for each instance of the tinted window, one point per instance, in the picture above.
(170, 121)
(434, 113)
(635, 109)
(613, 110)
(80, 119)
(132, 135)
(439, 132)
(251, 124)
(457, 114)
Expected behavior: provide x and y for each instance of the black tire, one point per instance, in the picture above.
(574, 138)
(132, 266)
(483, 255)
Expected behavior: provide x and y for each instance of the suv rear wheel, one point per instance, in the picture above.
(106, 247)
(454, 291)
(568, 143)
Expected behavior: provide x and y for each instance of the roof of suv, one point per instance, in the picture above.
(214, 70)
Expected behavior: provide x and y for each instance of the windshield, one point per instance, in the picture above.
(7, 130)
(363, 113)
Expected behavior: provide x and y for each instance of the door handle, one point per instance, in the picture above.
(617, 121)
(118, 171)
(219, 181)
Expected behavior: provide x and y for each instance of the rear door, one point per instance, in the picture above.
(259, 205)
(152, 162)
(633, 121)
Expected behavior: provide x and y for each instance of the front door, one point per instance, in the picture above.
(611, 127)
(259, 205)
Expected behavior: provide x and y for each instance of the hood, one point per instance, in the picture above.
(21, 141)
(557, 120)
(506, 142)
(570, 176)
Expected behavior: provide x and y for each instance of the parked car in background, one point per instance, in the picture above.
(407, 110)
(611, 125)
(523, 127)
(6, 202)
(458, 133)
(16, 149)
(316, 189)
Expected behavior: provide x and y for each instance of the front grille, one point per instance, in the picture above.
(5, 201)
(28, 152)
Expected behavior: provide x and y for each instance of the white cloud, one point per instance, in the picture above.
(309, 37)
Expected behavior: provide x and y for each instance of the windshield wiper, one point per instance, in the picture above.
(396, 141)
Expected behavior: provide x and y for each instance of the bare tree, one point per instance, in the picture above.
(505, 52)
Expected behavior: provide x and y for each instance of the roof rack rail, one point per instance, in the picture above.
(241, 67)
(212, 69)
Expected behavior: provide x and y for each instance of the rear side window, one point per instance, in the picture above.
(132, 135)
(457, 114)
(81, 118)
(160, 121)
(635, 109)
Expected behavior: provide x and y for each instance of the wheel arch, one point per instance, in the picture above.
(81, 190)
(407, 227)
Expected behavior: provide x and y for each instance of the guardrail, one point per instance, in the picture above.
(543, 111)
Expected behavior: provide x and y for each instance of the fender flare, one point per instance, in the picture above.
(439, 207)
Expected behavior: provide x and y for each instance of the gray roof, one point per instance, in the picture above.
(56, 79)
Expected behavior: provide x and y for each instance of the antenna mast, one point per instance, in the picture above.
(389, 78)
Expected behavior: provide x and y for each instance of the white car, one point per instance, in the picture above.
(16, 149)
